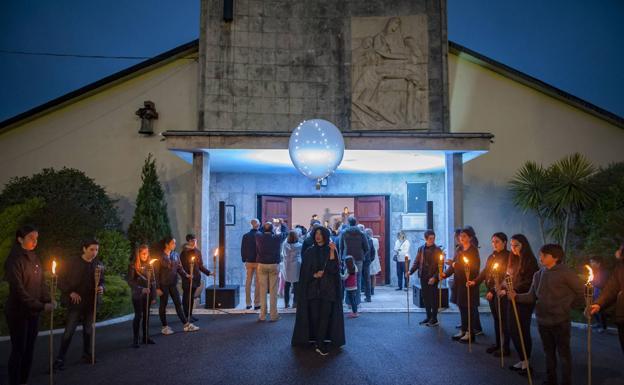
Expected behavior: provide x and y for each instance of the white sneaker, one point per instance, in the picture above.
(166, 330)
(189, 327)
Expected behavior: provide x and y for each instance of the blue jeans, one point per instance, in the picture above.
(360, 267)
(366, 280)
(352, 300)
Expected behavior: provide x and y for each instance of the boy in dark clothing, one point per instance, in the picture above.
(426, 263)
(77, 285)
(555, 290)
(189, 252)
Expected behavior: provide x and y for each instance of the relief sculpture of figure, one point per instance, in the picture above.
(378, 99)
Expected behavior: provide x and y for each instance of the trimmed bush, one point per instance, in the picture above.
(150, 223)
(116, 300)
(75, 208)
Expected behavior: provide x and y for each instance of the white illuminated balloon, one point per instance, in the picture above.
(316, 148)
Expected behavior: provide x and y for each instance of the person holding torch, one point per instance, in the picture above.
(192, 262)
(77, 286)
(143, 288)
(466, 258)
(29, 295)
(427, 258)
(490, 276)
(555, 291)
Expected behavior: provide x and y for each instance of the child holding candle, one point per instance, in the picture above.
(138, 273)
(29, 295)
(555, 290)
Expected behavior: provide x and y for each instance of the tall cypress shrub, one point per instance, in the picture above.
(150, 222)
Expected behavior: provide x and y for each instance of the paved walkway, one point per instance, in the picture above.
(235, 349)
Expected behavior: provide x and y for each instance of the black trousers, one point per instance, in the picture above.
(23, 332)
(366, 282)
(186, 293)
(556, 340)
(503, 317)
(76, 315)
(287, 286)
(525, 311)
(621, 333)
(474, 317)
(140, 317)
(430, 298)
(320, 314)
(164, 299)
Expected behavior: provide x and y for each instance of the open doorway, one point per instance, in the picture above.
(371, 211)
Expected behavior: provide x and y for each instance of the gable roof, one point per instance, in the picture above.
(193, 46)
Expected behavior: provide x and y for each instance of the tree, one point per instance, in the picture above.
(569, 192)
(150, 222)
(529, 187)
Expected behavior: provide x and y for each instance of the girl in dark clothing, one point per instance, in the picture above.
(466, 255)
(521, 267)
(28, 297)
(319, 306)
(138, 273)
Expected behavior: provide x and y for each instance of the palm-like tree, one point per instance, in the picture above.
(529, 187)
(570, 191)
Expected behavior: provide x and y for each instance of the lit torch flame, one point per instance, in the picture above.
(495, 266)
(216, 253)
(151, 262)
(590, 275)
(53, 267)
(441, 257)
(192, 259)
(465, 260)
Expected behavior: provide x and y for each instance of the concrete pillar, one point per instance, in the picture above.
(454, 188)
(201, 203)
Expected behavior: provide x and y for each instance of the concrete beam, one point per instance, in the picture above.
(454, 187)
(201, 201)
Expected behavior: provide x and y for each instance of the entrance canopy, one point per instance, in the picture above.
(354, 161)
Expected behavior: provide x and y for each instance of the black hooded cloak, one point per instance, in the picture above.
(328, 288)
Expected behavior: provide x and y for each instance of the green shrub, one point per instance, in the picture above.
(150, 223)
(116, 300)
(114, 252)
(75, 208)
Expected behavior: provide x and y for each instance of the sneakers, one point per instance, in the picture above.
(477, 332)
(189, 327)
(466, 338)
(248, 307)
(433, 323)
(423, 322)
(166, 330)
(458, 336)
(322, 351)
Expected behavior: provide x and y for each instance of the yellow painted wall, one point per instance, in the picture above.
(528, 125)
(99, 135)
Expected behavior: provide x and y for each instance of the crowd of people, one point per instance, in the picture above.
(322, 268)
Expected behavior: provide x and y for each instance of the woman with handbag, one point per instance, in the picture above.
(400, 251)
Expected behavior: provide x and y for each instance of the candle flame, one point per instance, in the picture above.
(53, 267)
(192, 259)
(441, 257)
(216, 253)
(151, 262)
(465, 260)
(590, 274)
(495, 267)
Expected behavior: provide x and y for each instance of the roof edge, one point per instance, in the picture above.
(82, 92)
(536, 84)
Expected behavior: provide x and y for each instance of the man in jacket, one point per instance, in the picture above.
(268, 257)
(555, 290)
(426, 263)
(248, 255)
(614, 293)
(78, 289)
(353, 242)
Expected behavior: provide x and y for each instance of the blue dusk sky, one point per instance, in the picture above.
(575, 45)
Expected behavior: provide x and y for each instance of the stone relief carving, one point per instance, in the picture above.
(389, 73)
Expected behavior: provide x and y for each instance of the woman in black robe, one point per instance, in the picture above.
(319, 307)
